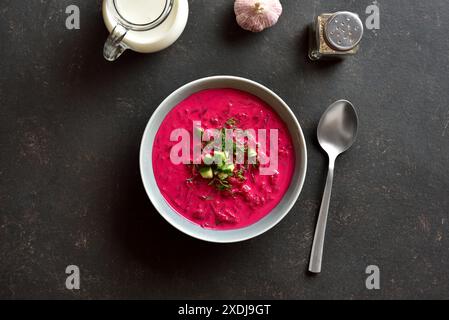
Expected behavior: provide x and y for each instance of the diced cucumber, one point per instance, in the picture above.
(252, 153)
(228, 168)
(220, 158)
(206, 172)
(208, 159)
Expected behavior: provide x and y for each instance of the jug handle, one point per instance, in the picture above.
(114, 45)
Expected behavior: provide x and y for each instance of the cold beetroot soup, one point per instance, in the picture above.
(229, 192)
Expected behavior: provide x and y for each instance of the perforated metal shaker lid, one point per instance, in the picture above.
(343, 31)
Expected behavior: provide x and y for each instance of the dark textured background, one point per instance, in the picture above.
(71, 124)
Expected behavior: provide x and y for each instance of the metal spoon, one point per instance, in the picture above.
(337, 132)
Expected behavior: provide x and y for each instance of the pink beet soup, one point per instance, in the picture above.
(216, 198)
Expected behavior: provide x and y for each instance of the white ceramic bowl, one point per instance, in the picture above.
(183, 224)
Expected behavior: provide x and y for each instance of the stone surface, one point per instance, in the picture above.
(71, 124)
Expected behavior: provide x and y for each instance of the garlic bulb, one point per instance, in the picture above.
(257, 15)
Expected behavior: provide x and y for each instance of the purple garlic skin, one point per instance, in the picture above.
(257, 15)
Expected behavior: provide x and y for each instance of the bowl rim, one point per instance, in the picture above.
(244, 235)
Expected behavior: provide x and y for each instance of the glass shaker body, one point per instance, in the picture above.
(335, 35)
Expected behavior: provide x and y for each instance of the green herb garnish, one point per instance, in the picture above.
(217, 167)
(231, 122)
(240, 175)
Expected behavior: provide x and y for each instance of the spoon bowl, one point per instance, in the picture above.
(337, 132)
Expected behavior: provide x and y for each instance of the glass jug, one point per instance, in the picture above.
(142, 25)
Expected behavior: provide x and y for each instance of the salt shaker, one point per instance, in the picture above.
(335, 35)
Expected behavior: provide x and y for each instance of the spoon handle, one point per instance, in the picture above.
(318, 241)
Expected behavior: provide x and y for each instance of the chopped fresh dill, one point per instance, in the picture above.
(231, 122)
